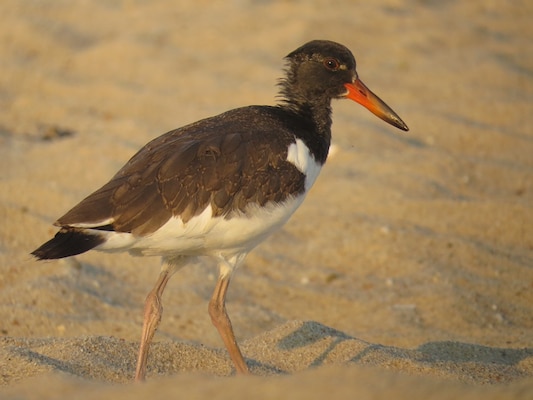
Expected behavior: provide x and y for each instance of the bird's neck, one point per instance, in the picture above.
(316, 126)
(317, 116)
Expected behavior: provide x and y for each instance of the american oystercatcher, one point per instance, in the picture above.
(219, 186)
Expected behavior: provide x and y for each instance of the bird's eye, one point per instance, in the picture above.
(331, 64)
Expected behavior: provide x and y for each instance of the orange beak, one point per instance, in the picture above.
(359, 93)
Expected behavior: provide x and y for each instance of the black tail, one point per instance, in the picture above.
(68, 242)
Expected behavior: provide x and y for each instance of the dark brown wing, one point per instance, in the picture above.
(220, 161)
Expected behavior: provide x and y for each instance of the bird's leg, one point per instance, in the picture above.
(219, 317)
(153, 310)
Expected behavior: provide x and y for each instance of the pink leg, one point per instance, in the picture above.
(153, 310)
(219, 316)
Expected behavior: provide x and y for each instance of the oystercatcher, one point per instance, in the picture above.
(219, 186)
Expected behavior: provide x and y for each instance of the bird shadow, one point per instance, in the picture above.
(310, 333)
(467, 361)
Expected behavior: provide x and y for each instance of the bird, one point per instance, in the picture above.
(218, 187)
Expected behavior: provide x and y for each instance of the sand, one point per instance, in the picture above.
(406, 274)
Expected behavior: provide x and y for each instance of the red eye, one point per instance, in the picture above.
(331, 64)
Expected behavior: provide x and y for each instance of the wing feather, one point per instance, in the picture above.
(215, 162)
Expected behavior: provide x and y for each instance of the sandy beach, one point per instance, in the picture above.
(408, 271)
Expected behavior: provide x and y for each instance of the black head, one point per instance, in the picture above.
(322, 70)
(317, 72)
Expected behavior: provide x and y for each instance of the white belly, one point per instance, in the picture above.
(205, 235)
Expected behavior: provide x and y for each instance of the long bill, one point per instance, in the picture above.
(359, 93)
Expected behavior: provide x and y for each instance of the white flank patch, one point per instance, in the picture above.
(205, 234)
(299, 155)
